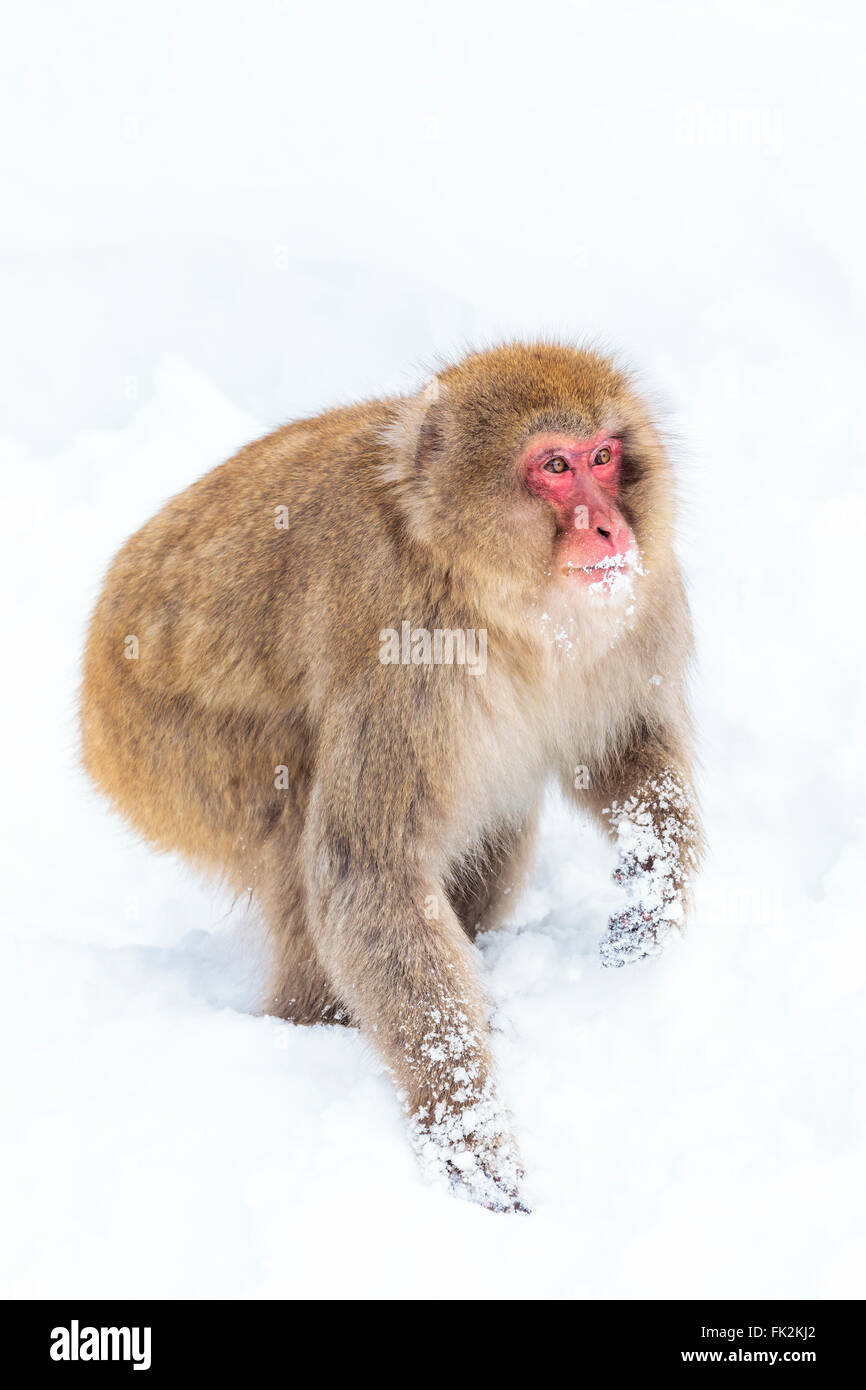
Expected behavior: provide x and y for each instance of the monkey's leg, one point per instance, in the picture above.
(646, 801)
(399, 956)
(298, 989)
(485, 885)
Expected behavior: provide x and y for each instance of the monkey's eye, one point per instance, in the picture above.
(602, 457)
(556, 465)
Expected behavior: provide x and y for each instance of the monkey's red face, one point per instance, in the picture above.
(579, 479)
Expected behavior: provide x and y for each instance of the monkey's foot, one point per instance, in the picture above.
(632, 935)
(479, 1167)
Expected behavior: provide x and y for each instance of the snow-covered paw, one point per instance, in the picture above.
(486, 1179)
(656, 846)
(633, 935)
(472, 1154)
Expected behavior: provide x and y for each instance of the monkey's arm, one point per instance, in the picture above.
(645, 799)
(390, 941)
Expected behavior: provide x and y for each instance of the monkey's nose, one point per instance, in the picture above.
(613, 536)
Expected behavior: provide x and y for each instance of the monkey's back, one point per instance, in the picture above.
(197, 683)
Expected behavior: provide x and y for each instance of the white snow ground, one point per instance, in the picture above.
(211, 225)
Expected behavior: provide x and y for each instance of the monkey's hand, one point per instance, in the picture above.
(655, 837)
(633, 935)
(472, 1153)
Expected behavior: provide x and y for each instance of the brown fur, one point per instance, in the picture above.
(413, 790)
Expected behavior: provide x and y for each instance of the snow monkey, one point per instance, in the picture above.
(340, 669)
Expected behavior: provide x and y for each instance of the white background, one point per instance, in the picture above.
(218, 217)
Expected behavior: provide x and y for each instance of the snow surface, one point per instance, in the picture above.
(213, 224)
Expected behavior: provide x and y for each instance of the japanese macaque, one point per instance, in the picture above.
(340, 669)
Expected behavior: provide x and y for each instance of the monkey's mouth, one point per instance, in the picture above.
(606, 570)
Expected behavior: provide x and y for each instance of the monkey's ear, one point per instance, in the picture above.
(414, 435)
